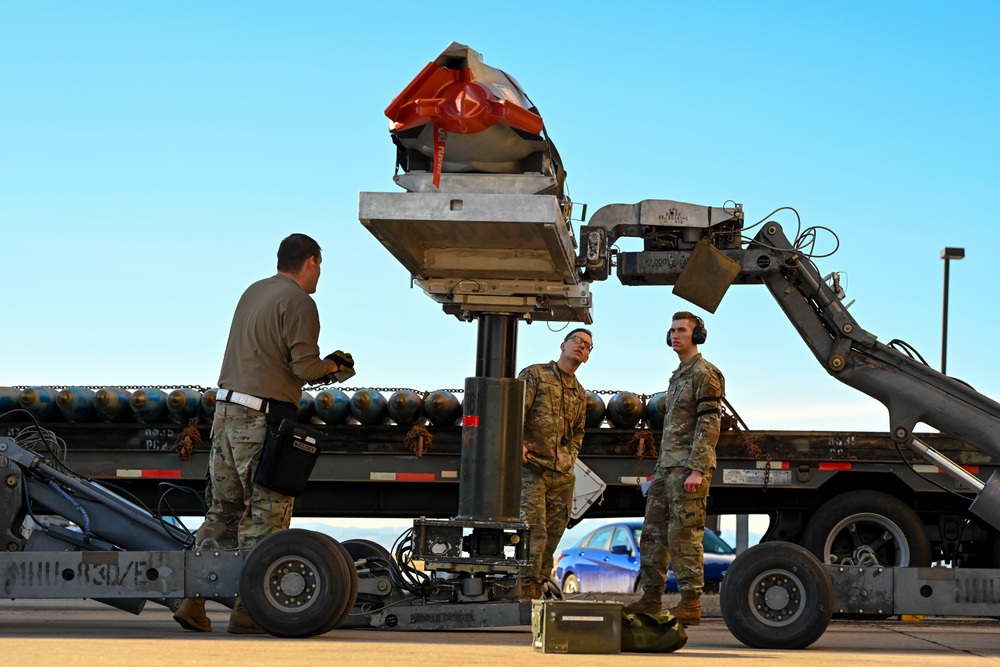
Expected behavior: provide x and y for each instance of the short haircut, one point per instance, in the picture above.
(685, 315)
(576, 331)
(295, 250)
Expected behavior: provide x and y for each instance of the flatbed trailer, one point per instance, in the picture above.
(830, 491)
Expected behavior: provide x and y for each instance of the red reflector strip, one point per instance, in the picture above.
(132, 473)
(973, 469)
(834, 465)
(402, 476)
(415, 477)
(470, 420)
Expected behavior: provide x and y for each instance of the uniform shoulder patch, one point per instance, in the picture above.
(714, 386)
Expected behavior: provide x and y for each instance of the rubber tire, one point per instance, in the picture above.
(361, 548)
(352, 594)
(326, 568)
(751, 581)
(874, 508)
(570, 585)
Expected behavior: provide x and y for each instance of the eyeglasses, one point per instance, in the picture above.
(580, 341)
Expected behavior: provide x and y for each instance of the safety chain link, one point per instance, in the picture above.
(128, 387)
(751, 447)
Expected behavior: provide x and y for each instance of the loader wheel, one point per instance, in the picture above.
(378, 557)
(297, 583)
(776, 595)
(867, 528)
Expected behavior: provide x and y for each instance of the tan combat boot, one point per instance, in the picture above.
(240, 623)
(529, 590)
(688, 611)
(651, 602)
(191, 615)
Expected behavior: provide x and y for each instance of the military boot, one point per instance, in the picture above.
(191, 615)
(651, 602)
(240, 623)
(528, 590)
(688, 611)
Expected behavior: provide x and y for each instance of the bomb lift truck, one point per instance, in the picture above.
(777, 594)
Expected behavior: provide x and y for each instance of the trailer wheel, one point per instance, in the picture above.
(297, 583)
(867, 528)
(776, 595)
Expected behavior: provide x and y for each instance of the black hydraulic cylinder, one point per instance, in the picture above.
(492, 437)
(496, 346)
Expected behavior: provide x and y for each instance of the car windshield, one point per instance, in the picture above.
(715, 544)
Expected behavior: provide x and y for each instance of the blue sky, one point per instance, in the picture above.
(154, 154)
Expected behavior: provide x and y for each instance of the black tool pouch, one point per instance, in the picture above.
(289, 455)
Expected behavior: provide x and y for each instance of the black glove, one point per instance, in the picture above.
(345, 367)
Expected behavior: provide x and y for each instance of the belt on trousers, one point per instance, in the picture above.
(246, 400)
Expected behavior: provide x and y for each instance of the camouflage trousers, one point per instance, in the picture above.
(241, 513)
(674, 526)
(546, 501)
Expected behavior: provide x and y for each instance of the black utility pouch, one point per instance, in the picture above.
(290, 453)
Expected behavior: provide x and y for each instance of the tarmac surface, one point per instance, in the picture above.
(83, 632)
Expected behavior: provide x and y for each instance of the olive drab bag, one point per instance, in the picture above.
(652, 633)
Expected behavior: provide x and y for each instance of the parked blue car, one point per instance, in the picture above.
(606, 560)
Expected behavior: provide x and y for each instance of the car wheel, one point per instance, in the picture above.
(637, 586)
(776, 595)
(570, 584)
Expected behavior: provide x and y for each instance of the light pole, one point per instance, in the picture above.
(947, 254)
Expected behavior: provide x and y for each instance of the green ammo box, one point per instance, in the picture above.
(577, 626)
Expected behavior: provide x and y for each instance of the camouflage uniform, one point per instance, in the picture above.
(555, 410)
(271, 352)
(674, 523)
(241, 512)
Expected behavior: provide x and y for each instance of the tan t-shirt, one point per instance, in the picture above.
(273, 346)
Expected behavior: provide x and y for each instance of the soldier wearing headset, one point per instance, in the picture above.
(674, 522)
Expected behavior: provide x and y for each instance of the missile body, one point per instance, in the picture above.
(149, 404)
(655, 408)
(208, 402)
(461, 115)
(595, 410)
(41, 402)
(369, 407)
(112, 403)
(305, 407)
(332, 406)
(624, 410)
(9, 399)
(405, 407)
(442, 408)
(183, 404)
(76, 404)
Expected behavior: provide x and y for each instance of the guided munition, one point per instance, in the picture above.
(76, 404)
(656, 407)
(183, 404)
(595, 410)
(369, 407)
(461, 115)
(305, 407)
(149, 404)
(624, 410)
(332, 406)
(9, 399)
(442, 408)
(208, 402)
(405, 407)
(39, 401)
(112, 403)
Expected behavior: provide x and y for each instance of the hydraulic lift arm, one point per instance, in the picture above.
(700, 249)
